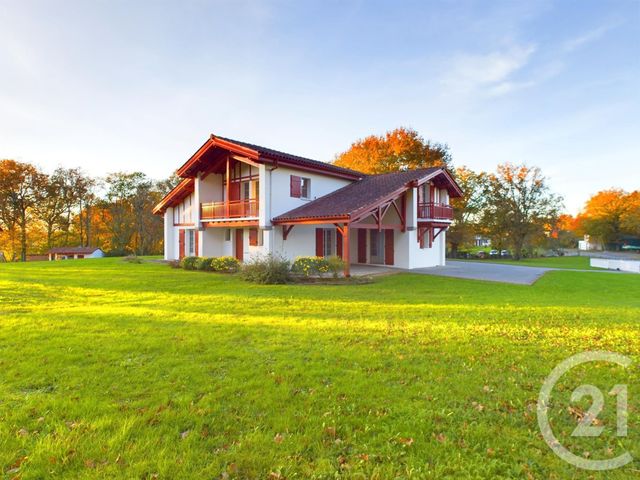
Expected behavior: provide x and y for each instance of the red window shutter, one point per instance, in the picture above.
(181, 243)
(338, 243)
(319, 242)
(430, 233)
(432, 195)
(296, 186)
(362, 245)
(253, 237)
(196, 233)
(388, 247)
(422, 233)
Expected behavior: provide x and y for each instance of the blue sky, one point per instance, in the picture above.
(121, 85)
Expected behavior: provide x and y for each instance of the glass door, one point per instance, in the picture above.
(376, 247)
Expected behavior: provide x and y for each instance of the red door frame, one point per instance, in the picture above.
(239, 244)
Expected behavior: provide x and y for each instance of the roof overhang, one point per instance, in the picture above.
(449, 182)
(199, 160)
(179, 193)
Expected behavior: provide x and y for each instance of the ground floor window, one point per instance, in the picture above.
(227, 235)
(191, 243)
(329, 242)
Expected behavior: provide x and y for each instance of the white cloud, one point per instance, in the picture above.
(468, 73)
(588, 37)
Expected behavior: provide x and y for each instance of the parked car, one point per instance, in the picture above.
(504, 253)
(493, 253)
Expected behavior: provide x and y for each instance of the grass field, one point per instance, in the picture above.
(117, 370)
(571, 263)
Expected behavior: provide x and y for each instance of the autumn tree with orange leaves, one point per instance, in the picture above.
(397, 150)
(610, 215)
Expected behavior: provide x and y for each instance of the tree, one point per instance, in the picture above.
(607, 215)
(50, 204)
(519, 206)
(467, 209)
(397, 150)
(631, 217)
(20, 184)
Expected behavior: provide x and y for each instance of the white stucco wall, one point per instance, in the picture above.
(281, 200)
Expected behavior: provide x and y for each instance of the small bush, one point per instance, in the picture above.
(310, 266)
(132, 259)
(225, 264)
(189, 263)
(174, 263)
(204, 264)
(336, 266)
(267, 269)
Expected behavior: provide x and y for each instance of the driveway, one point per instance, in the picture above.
(492, 272)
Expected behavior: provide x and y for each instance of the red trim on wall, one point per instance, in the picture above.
(339, 243)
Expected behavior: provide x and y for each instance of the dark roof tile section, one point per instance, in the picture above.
(294, 159)
(356, 196)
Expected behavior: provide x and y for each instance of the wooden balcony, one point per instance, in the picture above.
(436, 211)
(231, 209)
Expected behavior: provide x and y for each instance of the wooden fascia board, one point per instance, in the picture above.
(213, 142)
(179, 189)
(442, 171)
(368, 210)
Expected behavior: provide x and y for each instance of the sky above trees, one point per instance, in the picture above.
(139, 85)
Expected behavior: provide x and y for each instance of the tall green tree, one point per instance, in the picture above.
(467, 210)
(520, 207)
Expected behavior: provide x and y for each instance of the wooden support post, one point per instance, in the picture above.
(346, 254)
(403, 215)
(228, 199)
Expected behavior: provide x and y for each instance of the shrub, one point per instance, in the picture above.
(336, 266)
(267, 269)
(225, 264)
(204, 264)
(189, 263)
(174, 263)
(309, 266)
(132, 259)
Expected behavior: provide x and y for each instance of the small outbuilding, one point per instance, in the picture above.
(74, 253)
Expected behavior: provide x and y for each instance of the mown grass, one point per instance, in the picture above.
(141, 371)
(571, 263)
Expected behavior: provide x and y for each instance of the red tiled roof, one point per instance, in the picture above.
(265, 154)
(358, 196)
(73, 250)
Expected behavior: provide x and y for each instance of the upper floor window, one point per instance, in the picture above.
(300, 187)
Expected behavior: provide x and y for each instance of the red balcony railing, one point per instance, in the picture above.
(232, 209)
(438, 211)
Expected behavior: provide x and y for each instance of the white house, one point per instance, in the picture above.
(74, 253)
(238, 199)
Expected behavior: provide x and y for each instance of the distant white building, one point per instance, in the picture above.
(481, 241)
(241, 200)
(74, 253)
(587, 244)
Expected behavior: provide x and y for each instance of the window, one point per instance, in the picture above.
(253, 237)
(191, 239)
(300, 187)
(329, 242)
(305, 188)
(227, 235)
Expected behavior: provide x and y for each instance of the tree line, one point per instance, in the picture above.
(513, 206)
(39, 211)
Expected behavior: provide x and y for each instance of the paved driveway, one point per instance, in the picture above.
(487, 271)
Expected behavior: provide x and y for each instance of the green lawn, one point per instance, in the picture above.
(571, 263)
(125, 370)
